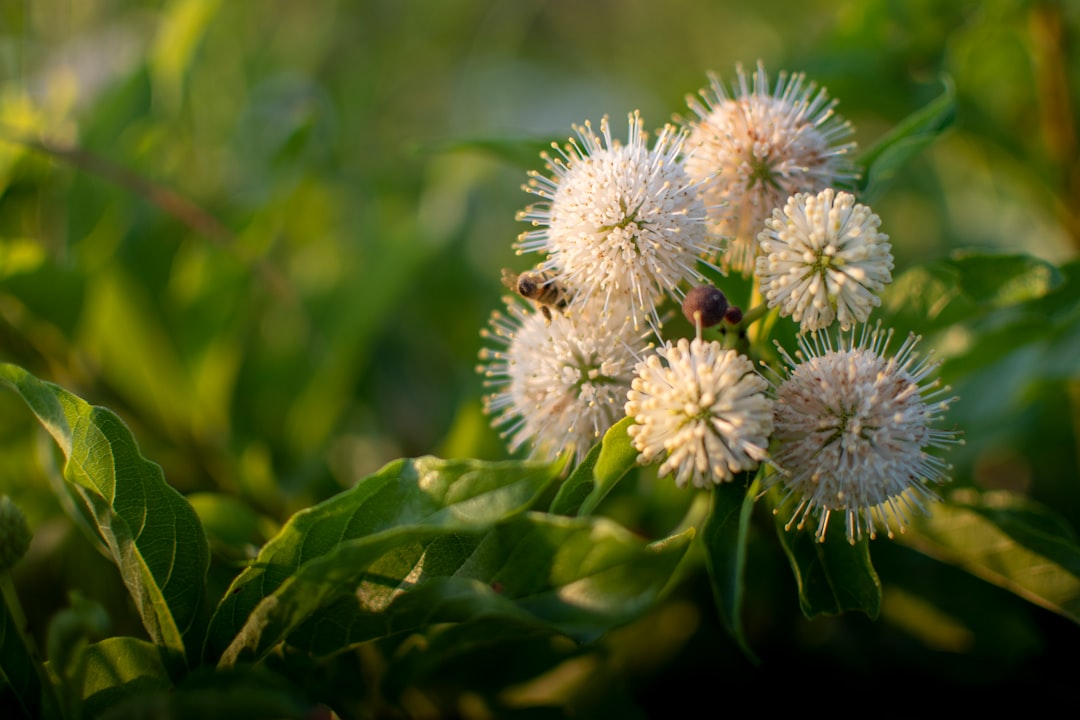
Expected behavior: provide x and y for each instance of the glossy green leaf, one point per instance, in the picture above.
(583, 575)
(323, 549)
(314, 585)
(150, 530)
(993, 306)
(833, 576)
(595, 476)
(379, 611)
(999, 280)
(965, 286)
(118, 668)
(911, 136)
(1009, 541)
(576, 576)
(725, 538)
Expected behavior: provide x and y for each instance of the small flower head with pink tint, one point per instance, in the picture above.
(852, 428)
(754, 147)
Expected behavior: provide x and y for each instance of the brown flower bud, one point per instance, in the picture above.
(705, 305)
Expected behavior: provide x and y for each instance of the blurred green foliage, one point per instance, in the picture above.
(268, 233)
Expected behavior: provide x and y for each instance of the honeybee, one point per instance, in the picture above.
(540, 287)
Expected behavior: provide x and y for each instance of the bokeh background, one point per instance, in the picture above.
(268, 233)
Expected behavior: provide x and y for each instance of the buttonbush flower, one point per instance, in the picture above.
(822, 258)
(703, 407)
(558, 384)
(851, 432)
(754, 148)
(620, 221)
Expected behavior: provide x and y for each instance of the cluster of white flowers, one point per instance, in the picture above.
(752, 184)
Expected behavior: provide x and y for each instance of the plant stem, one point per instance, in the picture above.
(50, 704)
(757, 309)
(753, 315)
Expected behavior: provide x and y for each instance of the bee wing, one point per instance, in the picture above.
(510, 279)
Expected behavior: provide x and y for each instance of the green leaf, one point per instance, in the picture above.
(323, 551)
(151, 532)
(725, 536)
(474, 655)
(607, 462)
(1009, 541)
(966, 286)
(314, 585)
(833, 576)
(246, 693)
(118, 668)
(380, 611)
(914, 133)
(1005, 322)
(993, 280)
(69, 636)
(578, 576)
(583, 575)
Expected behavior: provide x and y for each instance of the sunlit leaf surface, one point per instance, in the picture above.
(151, 531)
(321, 550)
(1008, 541)
(594, 477)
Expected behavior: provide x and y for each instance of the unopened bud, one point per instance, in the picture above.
(14, 534)
(704, 305)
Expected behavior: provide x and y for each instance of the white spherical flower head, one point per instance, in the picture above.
(851, 432)
(823, 259)
(703, 407)
(560, 384)
(623, 222)
(755, 147)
